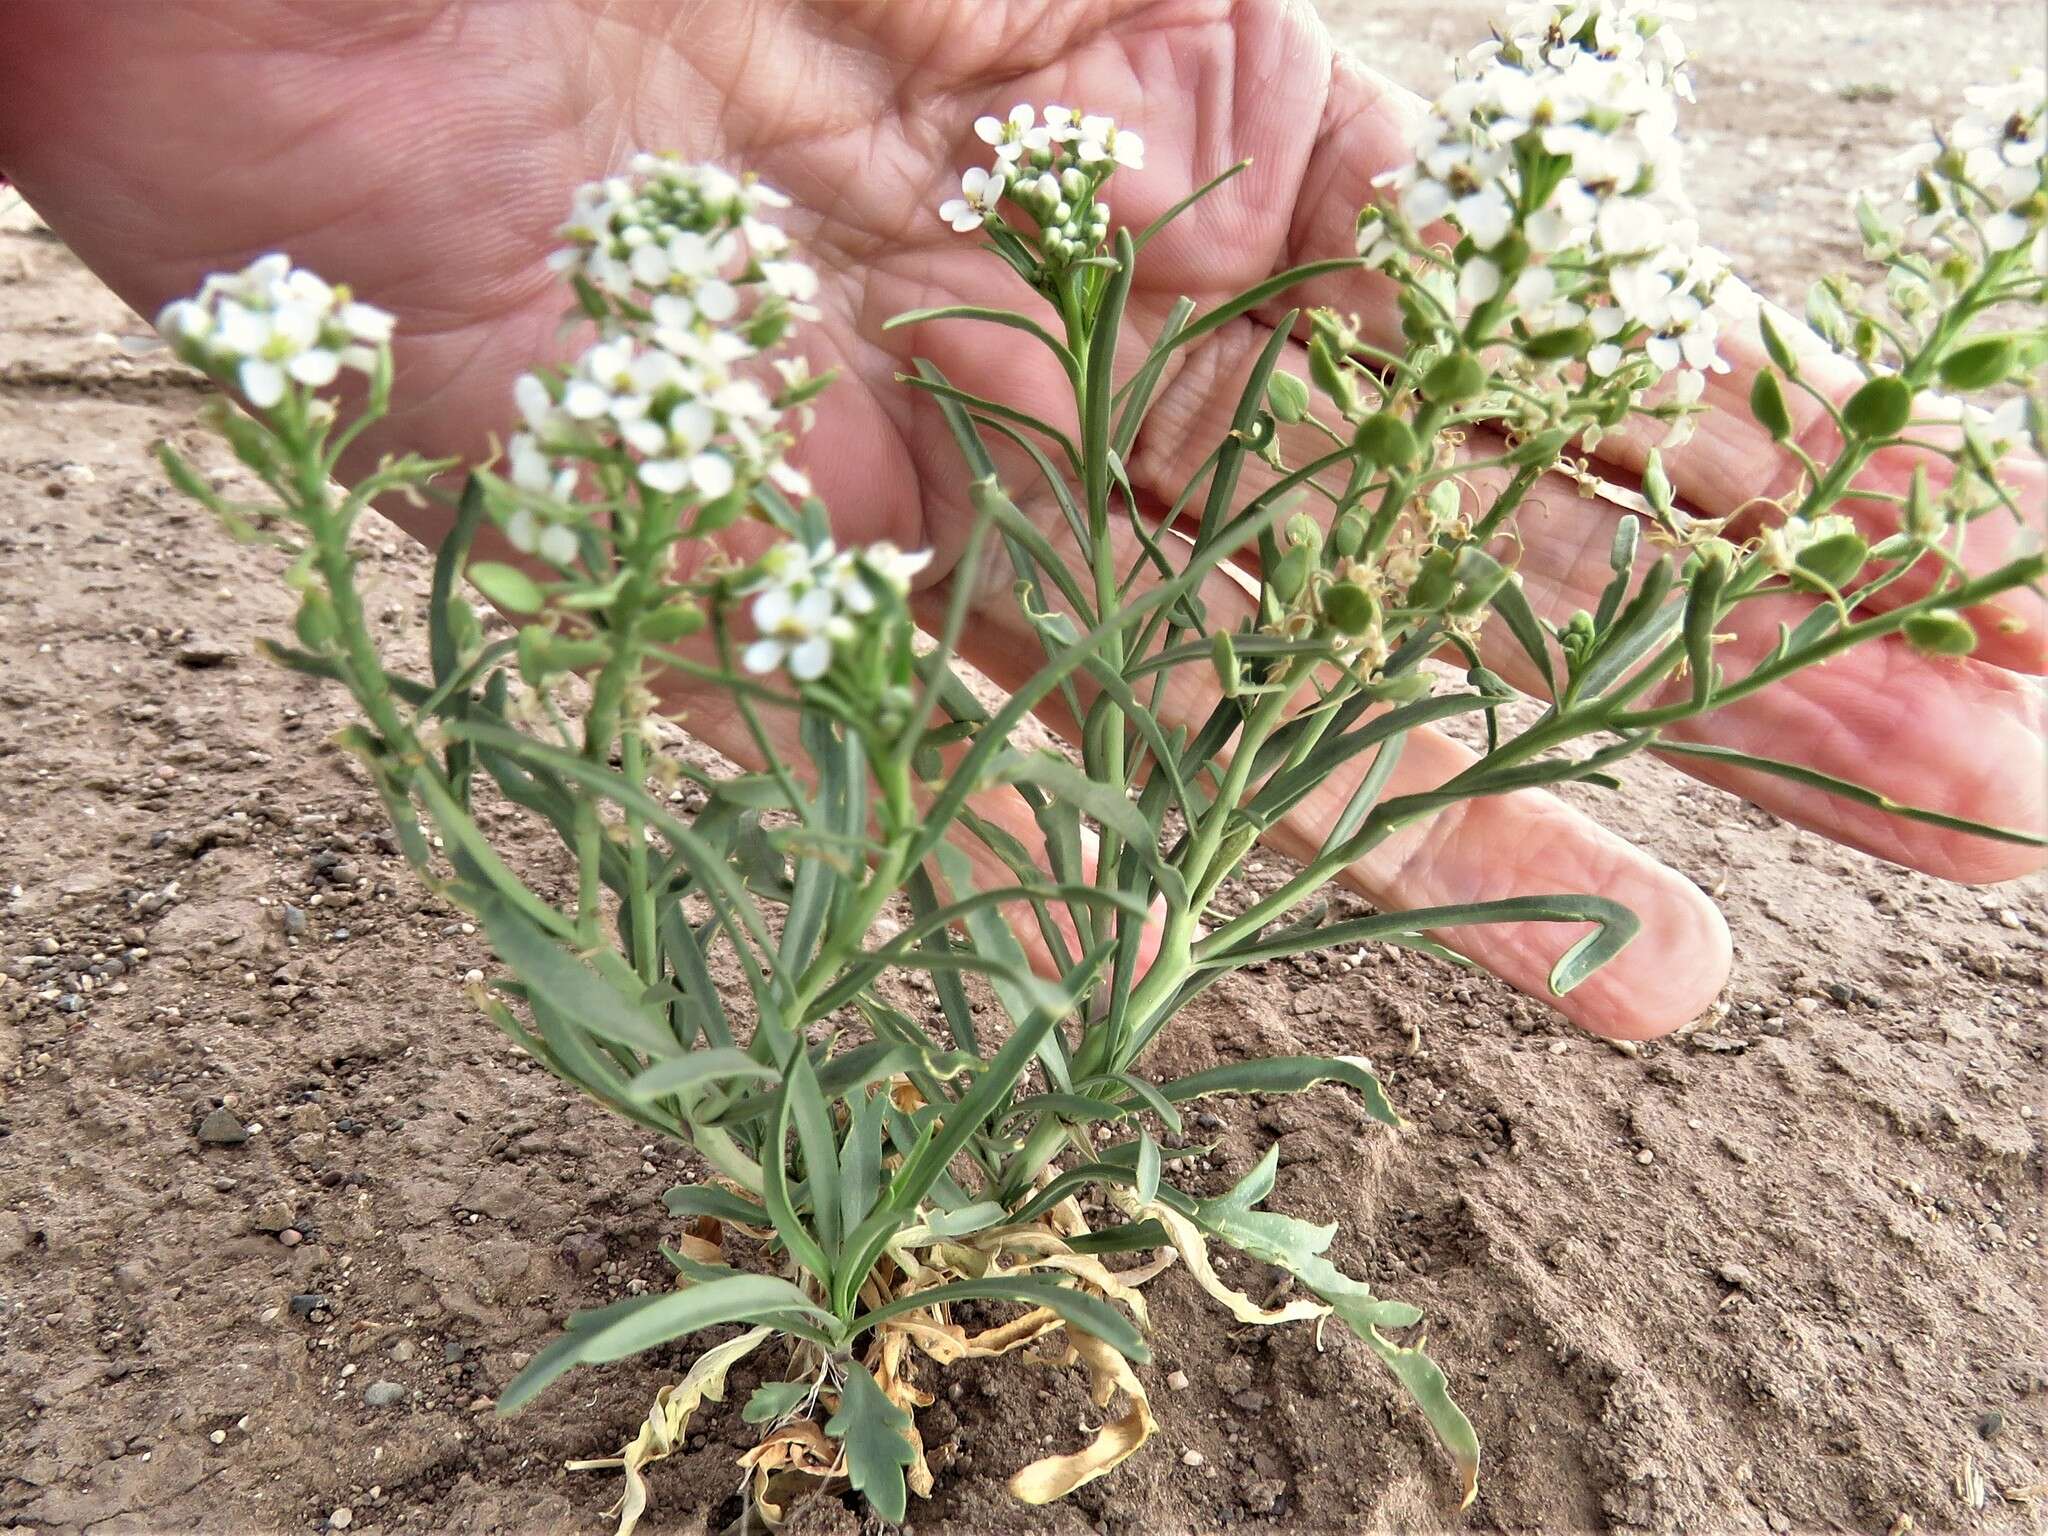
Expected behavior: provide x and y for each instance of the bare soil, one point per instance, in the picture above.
(1780, 1273)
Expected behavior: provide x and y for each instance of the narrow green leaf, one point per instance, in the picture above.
(1091, 1315)
(679, 1074)
(1288, 1074)
(1798, 773)
(1147, 1168)
(569, 984)
(1008, 317)
(775, 1187)
(626, 1328)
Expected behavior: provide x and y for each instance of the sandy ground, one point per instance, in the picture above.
(1783, 1273)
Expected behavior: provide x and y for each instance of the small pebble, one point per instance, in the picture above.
(342, 1518)
(223, 1128)
(383, 1394)
(1559, 1047)
(1646, 1157)
(1192, 1458)
(291, 1237)
(219, 1437)
(1177, 1381)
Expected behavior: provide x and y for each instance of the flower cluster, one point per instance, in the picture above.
(670, 227)
(1555, 155)
(1052, 169)
(692, 286)
(1989, 171)
(272, 325)
(807, 600)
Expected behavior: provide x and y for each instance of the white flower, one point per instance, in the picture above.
(1101, 139)
(979, 193)
(809, 601)
(272, 325)
(1007, 134)
(1061, 126)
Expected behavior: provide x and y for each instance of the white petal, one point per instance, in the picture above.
(531, 396)
(762, 656)
(557, 544)
(262, 381)
(666, 475)
(712, 474)
(366, 322)
(316, 368)
(810, 659)
(717, 301)
(1479, 281)
(2003, 231)
(585, 401)
(989, 129)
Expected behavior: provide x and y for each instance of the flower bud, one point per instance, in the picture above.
(1767, 405)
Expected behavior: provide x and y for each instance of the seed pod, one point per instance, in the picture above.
(1348, 537)
(1304, 532)
(507, 586)
(1834, 560)
(1978, 364)
(1223, 656)
(1657, 484)
(1350, 608)
(675, 622)
(1290, 574)
(1880, 408)
(1924, 516)
(1479, 577)
(1767, 405)
(1554, 346)
(1941, 633)
(1776, 347)
(1434, 583)
(1330, 375)
(316, 624)
(1460, 376)
(1286, 397)
(1387, 440)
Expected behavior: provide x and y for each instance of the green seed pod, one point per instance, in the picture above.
(1348, 537)
(1924, 517)
(677, 621)
(1834, 560)
(1458, 377)
(507, 586)
(1304, 532)
(1978, 364)
(1880, 408)
(1387, 440)
(1767, 405)
(1555, 346)
(1435, 582)
(1223, 656)
(316, 624)
(1941, 633)
(1776, 347)
(1286, 397)
(1657, 484)
(1479, 577)
(1402, 688)
(1350, 608)
(1330, 375)
(1290, 574)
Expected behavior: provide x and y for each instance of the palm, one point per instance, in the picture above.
(425, 152)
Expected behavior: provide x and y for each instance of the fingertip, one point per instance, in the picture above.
(1668, 976)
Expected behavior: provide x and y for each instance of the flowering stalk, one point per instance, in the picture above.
(1551, 289)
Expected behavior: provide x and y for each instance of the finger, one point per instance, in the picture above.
(1524, 844)
(1952, 735)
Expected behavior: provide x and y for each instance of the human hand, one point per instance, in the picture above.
(426, 151)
